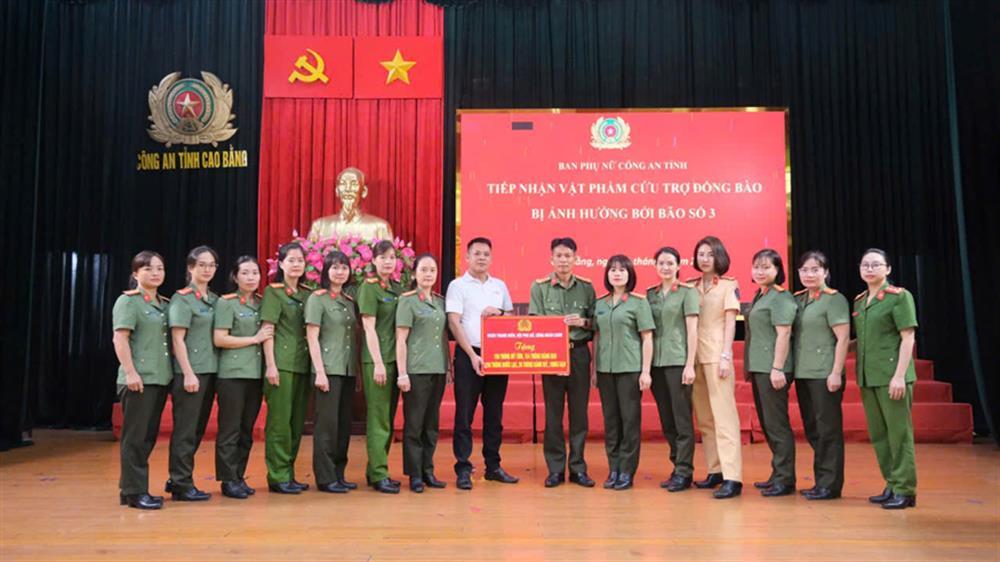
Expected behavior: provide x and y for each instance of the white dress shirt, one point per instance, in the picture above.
(469, 296)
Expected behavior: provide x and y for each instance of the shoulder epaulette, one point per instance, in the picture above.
(894, 290)
(542, 279)
(728, 278)
(185, 291)
(346, 296)
(439, 295)
(640, 295)
(652, 287)
(131, 292)
(230, 296)
(605, 295)
(277, 285)
(802, 292)
(693, 280)
(409, 293)
(319, 292)
(371, 280)
(164, 299)
(585, 280)
(779, 288)
(860, 295)
(830, 291)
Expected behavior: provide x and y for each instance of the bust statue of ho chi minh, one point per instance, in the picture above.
(351, 189)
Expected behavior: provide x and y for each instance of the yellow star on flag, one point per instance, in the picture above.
(398, 68)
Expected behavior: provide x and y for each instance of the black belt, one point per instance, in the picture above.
(576, 344)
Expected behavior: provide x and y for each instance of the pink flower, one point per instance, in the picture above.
(356, 264)
(346, 248)
(365, 252)
(408, 252)
(355, 239)
(313, 276)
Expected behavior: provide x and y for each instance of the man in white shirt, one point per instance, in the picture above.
(469, 298)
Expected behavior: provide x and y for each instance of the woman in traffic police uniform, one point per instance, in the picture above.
(141, 345)
(885, 321)
(238, 335)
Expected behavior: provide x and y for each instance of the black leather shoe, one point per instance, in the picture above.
(168, 487)
(764, 485)
(284, 488)
(385, 486)
(246, 487)
(612, 480)
(332, 488)
(883, 497)
(821, 494)
(299, 485)
(417, 485)
(712, 480)
(234, 490)
(346, 484)
(778, 490)
(554, 479)
(139, 501)
(729, 489)
(464, 481)
(808, 491)
(191, 495)
(678, 483)
(899, 501)
(433, 482)
(581, 478)
(624, 481)
(500, 475)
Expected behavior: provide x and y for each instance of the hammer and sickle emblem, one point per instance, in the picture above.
(313, 73)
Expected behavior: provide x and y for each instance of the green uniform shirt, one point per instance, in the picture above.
(877, 325)
(774, 307)
(149, 338)
(426, 344)
(196, 312)
(812, 336)
(242, 318)
(670, 312)
(550, 298)
(337, 318)
(619, 349)
(377, 298)
(284, 309)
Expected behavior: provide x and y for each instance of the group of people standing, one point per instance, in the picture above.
(675, 339)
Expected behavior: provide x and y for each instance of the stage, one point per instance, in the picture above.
(58, 499)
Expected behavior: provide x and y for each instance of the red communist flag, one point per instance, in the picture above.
(308, 66)
(398, 67)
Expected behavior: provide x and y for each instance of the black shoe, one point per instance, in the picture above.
(191, 495)
(346, 484)
(284, 488)
(778, 490)
(234, 490)
(464, 481)
(299, 485)
(168, 487)
(678, 483)
(712, 480)
(246, 487)
(554, 479)
(808, 491)
(624, 481)
(899, 501)
(332, 488)
(581, 479)
(821, 494)
(498, 474)
(417, 485)
(139, 501)
(385, 486)
(765, 484)
(729, 489)
(885, 496)
(433, 482)
(612, 480)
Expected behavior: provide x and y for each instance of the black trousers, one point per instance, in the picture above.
(471, 388)
(191, 411)
(558, 391)
(142, 411)
(772, 411)
(332, 430)
(824, 427)
(421, 418)
(621, 402)
(239, 404)
(673, 402)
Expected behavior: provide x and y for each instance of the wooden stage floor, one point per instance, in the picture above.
(58, 500)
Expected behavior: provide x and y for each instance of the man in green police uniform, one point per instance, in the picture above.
(563, 294)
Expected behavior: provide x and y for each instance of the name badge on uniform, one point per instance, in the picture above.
(387, 299)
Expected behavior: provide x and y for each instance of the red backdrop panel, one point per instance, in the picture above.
(331, 57)
(306, 142)
(426, 76)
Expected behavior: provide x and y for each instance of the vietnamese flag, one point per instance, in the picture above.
(398, 67)
(308, 66)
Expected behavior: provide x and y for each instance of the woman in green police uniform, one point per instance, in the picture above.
(675, 344)
(192, 313)
(141, 345)
(421, 351)
(377, 299)
(286, 357)
(624, 328)
(238, 334)
(768, 366)
(885, 321)
(332, 333)
(820, 338)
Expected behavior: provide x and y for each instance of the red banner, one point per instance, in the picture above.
(525, 345)
(398, 67)
(308, 66)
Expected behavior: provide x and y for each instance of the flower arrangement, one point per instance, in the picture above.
(360, 252)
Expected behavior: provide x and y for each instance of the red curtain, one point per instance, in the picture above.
(397, 143)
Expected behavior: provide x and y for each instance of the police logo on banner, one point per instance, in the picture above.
(610, 132)
(191, 111)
